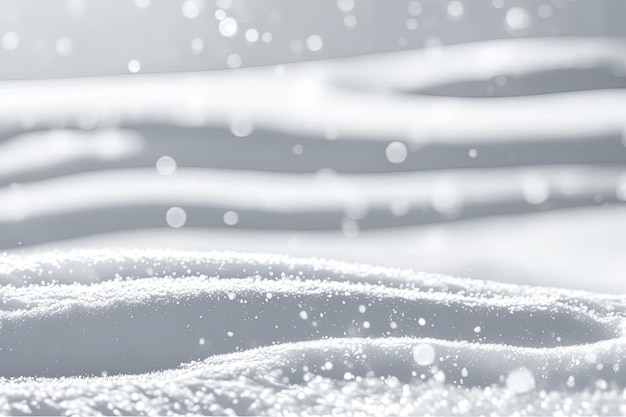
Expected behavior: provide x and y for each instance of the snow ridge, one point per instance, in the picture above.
(227, 327)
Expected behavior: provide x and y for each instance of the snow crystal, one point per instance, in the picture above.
(517, 18)
(520, 380)
(134, 66)
(241, 126)
(545, 11)
(10, 41)
(455, 9)
(349, 21)
(314, 43)
(191, 9)
(233, 61)
(414, 8)
(64, 46)
(142, 4)
(345, 5)
(252, 35)
(396, 152)
(424, 354)
(228, 27)
(166, 165)
(197, 45)
(231, 218)
(176, 217)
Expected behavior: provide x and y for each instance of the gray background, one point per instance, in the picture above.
(106, 35)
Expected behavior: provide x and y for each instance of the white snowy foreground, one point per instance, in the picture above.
(165, 331)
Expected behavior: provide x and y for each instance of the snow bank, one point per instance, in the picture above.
(311, 97)
(439, 179)
(247, 326)
(452, 194)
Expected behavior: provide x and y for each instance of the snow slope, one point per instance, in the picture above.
(167, 244)
(562, 248)
(517, 140)
(295, 335)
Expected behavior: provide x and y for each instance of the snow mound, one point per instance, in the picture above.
(158, 331)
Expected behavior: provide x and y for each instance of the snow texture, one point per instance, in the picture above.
(119, 292)
(214, 332)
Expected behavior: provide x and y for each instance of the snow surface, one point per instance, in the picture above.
(125, 289)
(283, 335)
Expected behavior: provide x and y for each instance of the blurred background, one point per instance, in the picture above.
(61, 38)
(482, 139)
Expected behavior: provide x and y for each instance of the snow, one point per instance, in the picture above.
(561, 248)
(424, 354)
(520, 380)
(308, 96)
(136, 316)
(251, 241)
(445, 191)
(58, 147)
